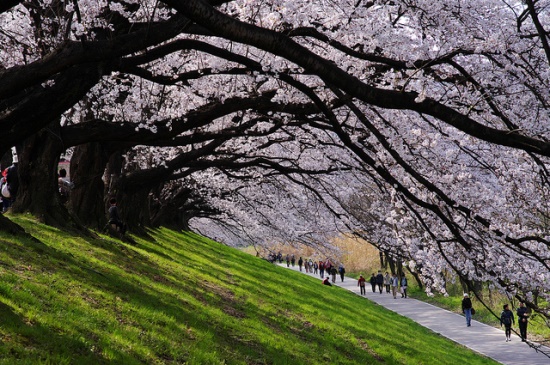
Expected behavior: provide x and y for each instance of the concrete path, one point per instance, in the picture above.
(480, 337)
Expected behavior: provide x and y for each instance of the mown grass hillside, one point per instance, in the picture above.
(178, 298)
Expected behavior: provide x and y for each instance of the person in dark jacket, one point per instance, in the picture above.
(300, 263)
(404, 285)
(467, 309)
(373, 283)
(380, 281)
(507, 319)
(333, 272)
(114, 217)
(523, 317)
(326, 281)
(341, 271)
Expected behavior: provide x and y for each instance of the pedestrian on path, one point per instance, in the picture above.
(287, 260)
(387, 282)
(293, 260)
(328, 266)
(321, 269)
(361, 285)
(300, 263)
(467, 309)
(507, 319)
(333, 273)
(523, 318)
(342, 271)
(373, 283)
(404, 287)
(380, 281)
(394, 285)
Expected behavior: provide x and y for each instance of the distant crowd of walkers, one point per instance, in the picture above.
(379, 283)
(392, 284)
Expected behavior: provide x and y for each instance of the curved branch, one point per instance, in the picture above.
(281, 45)
(17, 78)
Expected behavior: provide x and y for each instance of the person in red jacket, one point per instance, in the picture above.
(361, 284)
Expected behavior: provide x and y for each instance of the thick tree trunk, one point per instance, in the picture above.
(416, 278)
(132, 200)
(391, 262)
(87, 198)
(135, 210)
(38, 188)
(382, 264)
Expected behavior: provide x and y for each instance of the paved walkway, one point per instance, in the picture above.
(480, 337)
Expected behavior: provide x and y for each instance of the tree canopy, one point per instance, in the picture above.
(420, 126)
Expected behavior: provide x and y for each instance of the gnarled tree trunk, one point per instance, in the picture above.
(38, 189)
(87, 169)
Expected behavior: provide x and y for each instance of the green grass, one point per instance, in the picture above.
(178, 298)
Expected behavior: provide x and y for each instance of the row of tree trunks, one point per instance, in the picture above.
(97, 171)
(37, 168)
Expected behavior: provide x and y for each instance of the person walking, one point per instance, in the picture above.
(328, 266)
(404, 287)
(287, 260)
(507, 319)
(380, 281)
(333, 273)
(342, 271)
(300, 263)
(394, 285)
(361, 285)
(467, 309)
(315, 268)
(373, 283)
(321, 269)
(387, 282)
(293, 260)
(523, 318)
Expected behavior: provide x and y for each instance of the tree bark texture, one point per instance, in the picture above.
(87, 198)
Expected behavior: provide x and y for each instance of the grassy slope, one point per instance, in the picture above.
(179, 298)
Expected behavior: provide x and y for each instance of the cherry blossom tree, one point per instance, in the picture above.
(421, 126)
